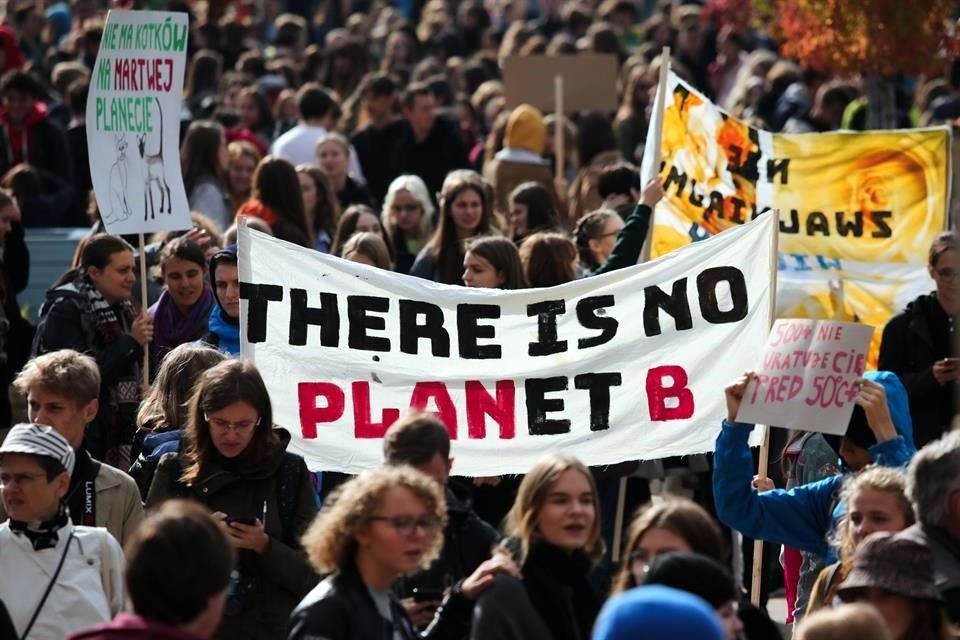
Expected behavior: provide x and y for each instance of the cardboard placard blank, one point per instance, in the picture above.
(589, 81)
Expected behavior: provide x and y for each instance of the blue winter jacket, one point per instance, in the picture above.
(801, 517)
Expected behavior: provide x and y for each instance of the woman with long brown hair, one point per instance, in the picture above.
(234, 462)
(276, 199)
(465, 211)
(163, 412)
(320, 205)
(203, 160)
(548, 259)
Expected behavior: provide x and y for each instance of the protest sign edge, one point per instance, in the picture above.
(656, 128)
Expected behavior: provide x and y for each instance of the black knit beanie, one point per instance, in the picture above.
(693, 573)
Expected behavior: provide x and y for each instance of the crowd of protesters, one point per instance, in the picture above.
(164, 503)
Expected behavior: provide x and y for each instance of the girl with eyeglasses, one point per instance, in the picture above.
(373, 529)
(918, 344)
(668, 526)
(680, 526)
(605, 242)
(407, 215)
(234, 462)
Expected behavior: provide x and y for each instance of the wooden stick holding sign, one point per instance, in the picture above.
(655, 139)
(755, 578)
(656, 129)
(558, 130)
(144, 305)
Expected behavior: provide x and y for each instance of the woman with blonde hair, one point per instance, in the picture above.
(242, 161)
(876, 500)
(466, 210)
(333, 157)
(554, 529)
(373, 529)
(407, 214)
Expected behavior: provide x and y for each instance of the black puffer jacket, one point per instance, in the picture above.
(913, 340)
(341, 608)
(467, 542)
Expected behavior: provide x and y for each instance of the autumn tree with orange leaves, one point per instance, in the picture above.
(871, 37)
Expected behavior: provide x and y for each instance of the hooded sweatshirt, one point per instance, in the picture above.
(21, 146)
(224, 330)
(802, 517)
(525, 136)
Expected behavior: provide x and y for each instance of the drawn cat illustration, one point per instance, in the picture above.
(154, 173)
(118, 209)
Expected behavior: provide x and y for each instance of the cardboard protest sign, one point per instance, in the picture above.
(856, 207)
(624, 366)
(133, 122)
(807, 376)
(589, 81)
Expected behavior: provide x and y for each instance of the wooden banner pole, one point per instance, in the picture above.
(144, 305)
(559, 128)
(756, 576)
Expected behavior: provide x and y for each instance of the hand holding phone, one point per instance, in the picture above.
(946, 370)
(426, 594)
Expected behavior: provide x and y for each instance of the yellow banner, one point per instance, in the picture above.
(858, 211)
(878, 196)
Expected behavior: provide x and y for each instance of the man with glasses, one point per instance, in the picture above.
(56, 577)
(919, 344)
(422, 442)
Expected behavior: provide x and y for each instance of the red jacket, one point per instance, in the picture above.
(128, 626)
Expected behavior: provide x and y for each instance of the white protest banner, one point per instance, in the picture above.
(807, 376)
(630, 365)
(133, 122)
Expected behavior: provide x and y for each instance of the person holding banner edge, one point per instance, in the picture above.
(880, 431)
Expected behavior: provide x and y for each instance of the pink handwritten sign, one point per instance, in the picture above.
(807, 376)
